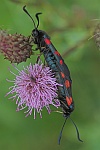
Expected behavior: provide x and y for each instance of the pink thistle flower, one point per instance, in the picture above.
(35, 87)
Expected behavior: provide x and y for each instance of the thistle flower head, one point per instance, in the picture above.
(35, 87)
(16, 48)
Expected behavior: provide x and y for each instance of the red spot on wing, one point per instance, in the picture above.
(69, 100)
(67, 83)
(57, 53)
(47, 41)
(61, 61)
(63, 75)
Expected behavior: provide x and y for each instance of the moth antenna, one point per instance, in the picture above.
(37, 18)
(78, 135)
(60, 135)
(24, 8)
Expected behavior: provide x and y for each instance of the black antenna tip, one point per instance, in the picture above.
(80, 140)
(78, 136)
(24, 7)
(39, 13)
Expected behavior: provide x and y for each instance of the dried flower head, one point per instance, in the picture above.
(35, 87)
(16, 48)
(97, 35)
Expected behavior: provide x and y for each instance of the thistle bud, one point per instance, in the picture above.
(97, 35)
(16, 48)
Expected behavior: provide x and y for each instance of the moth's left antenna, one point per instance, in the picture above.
(24, 8)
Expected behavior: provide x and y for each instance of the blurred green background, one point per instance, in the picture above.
(67, 22)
